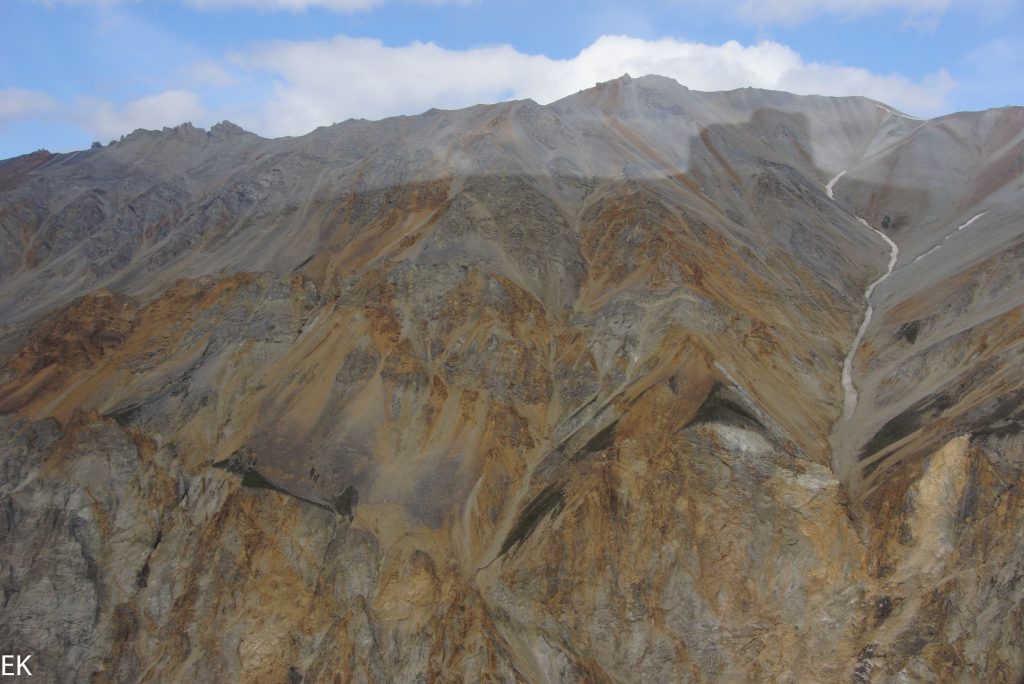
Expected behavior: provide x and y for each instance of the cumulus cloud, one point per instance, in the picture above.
(291, 87)
(319, 82)
(104, 119)
(16, 103)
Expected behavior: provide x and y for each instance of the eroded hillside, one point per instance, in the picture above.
(519, 393)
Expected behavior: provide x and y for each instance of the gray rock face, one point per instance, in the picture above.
(519, 393)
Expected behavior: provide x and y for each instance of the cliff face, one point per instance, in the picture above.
(519, 393)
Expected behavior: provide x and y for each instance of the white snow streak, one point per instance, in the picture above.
(899, 114)
(849, 391)
(972, 220)
(922, 256)
(831, 183)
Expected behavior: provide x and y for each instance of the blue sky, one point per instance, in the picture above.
(74, 71)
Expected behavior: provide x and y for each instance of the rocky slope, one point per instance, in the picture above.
(519, 393)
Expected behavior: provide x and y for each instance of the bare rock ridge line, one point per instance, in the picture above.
(849, 389)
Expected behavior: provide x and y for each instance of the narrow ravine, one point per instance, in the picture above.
(849, 390)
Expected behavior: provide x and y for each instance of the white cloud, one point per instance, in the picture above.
(325, 81)
(320, 82)
(17, 103)
(290, 88)
(209, 73)
(104, 119)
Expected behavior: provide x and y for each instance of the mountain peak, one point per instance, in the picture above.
(227, 129)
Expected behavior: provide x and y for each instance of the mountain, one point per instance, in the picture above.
(589, 391)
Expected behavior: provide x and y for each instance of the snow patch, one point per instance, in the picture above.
(941, 242)
(740, 440)
(899, 114)
(922, 256)
(831, 183)
(849, 391)
(972, 220)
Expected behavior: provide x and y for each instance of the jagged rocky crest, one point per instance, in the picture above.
(520, 393)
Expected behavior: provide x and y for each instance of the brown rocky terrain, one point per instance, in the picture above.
(520, 393)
